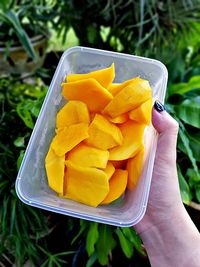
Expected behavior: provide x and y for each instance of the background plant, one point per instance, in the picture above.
(166, 30)
(22, 19)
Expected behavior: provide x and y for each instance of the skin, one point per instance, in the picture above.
(168, 233)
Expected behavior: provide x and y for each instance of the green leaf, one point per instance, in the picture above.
(24, 111)
(19, 142)
(182, 88)
(194, 179)
(92, 238)
(184, 188)
(197, 192)
(126, 245)
(105, 244)
(194, 140)
(11, 17)
(83, 225)
(186, 143)
(134, 238)
(189, 111)
(19, 160)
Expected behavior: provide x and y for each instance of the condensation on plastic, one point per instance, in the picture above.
(31, 184)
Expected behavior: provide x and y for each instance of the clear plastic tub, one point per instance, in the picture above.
(31, 184)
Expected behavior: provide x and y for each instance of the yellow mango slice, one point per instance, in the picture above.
(69, 137)
(142, 114)
(120, 119)
(109, 170)
(72, 113)
(103, 76)
(87, 156)
(86, 185)
(134, 168)
(89, 91)
(133, 95)
(117, 186)
(103, 134)
(55, 166)
(133, 134)
(115, 88)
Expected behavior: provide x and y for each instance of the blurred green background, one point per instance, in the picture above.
(33, 35)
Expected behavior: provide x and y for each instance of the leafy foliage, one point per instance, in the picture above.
(21, 20)
(20, 225)
(184, 105)
(167, 30)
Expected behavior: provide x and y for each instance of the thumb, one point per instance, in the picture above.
(167, 127)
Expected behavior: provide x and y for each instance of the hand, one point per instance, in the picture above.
(164, 197)
(168, 233)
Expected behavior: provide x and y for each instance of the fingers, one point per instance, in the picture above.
(162, 121)
(167, 128)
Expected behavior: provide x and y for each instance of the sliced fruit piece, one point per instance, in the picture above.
(119, 164)
(69, 137)
(119, 119)
(133, 134)
(134, 168)
(88, 156)
(95, 96)
(142, 114)
(103, 76)
(133, 95)
(72, 113)
(103, 134)
(117, 186)
(55, 166)
(109, 170)
(86, 185)
(115, 88)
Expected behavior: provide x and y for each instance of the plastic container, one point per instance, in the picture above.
(31, 183)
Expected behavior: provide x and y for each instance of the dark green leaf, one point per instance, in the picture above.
(126, 245)
(184, 188)
(195, 144)
(83, 225)
(91, 260)
(92, 237)
(197, 192)
(189, 111)
(105, 244)
(186, 143)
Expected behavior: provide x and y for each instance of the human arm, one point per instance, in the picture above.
(168, 233)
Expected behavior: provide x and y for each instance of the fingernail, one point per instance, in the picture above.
(158, 106)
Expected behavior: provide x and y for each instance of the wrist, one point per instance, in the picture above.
(170, 241)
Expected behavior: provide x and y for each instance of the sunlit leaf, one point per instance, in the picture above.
(92, 237)
(184, 188)
(189, 111)
(134, 238)
(105, 244)
(182, 88)
(126, 245)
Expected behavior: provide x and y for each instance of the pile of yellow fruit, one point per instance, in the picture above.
(98, 148)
